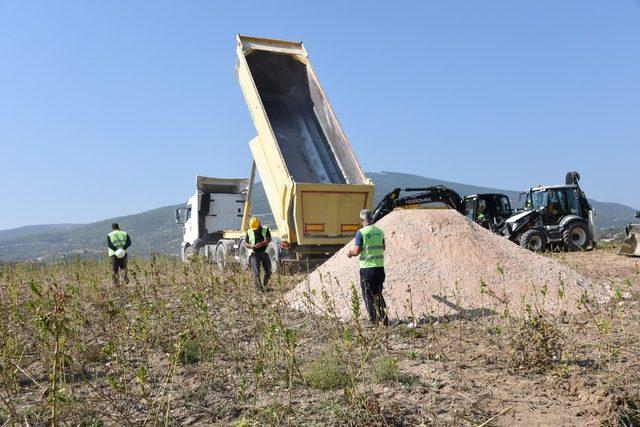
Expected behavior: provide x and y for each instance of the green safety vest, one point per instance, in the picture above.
(118, 238)
(372, 251)
(252, 235)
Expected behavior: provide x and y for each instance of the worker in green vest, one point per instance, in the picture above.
(369, 244)
(257, 241)
(117, 244)
(481, 211)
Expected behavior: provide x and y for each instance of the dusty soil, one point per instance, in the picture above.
(592, 386)
(439, 263)
(184, 345)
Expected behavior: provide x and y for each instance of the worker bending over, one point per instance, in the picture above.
(258, 238)
(118, 242)
(370, 246)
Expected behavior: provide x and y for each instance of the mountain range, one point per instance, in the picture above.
(156, 231)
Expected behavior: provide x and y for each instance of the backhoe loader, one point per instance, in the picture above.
(554, 216)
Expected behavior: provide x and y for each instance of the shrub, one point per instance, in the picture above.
(326, 372)
(190, 352)
(536, 343)
(385, 369)
(628, 411)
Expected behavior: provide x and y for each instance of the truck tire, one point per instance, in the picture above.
(274, 257)
(221, 258)
(189, 252)
(575, 236)
(534, 240)
(243, 256)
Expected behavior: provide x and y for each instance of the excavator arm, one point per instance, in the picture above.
(434, 194)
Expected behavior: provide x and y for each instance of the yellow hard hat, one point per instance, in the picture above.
(254, 223)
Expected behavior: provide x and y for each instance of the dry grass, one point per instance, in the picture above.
(184, 344)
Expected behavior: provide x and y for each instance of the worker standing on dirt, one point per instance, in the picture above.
(370, 246)
(118, 242)
(258, 238)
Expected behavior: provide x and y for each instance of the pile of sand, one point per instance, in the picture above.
(438, 264)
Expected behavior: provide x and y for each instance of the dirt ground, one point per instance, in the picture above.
(588, 388)
(183, 345)
(472, 383)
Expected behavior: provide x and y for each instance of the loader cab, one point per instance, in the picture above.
(556, 202)
(491, 209)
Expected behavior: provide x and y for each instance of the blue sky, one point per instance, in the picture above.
(112, 107)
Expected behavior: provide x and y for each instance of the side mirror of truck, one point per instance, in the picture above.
(181, 215)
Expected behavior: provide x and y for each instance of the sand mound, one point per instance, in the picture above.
(439, 263)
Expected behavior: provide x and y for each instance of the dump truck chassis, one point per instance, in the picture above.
(232, 251)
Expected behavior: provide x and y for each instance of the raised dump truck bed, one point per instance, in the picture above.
(313, 181)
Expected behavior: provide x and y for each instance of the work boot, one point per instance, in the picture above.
(257, 284)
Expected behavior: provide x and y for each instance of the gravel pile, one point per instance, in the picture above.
(439, 264)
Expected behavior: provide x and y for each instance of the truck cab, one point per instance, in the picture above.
(216, 207)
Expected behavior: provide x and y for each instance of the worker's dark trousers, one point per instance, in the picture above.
(257, 259)
(371, 282)
(118, 264)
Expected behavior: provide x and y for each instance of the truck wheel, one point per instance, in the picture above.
(534, 240)
(272, 251)
(575, 237)
(243, 256)
(189, 252)
(221, 258)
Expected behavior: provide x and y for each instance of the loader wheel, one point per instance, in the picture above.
(575, 237)
(533, 240)
(221, 258)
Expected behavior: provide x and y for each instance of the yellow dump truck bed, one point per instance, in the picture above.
(313, 181)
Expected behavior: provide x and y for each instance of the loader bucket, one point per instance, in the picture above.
(631, 244)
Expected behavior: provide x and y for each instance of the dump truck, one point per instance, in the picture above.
(631, 244)
(313, 181)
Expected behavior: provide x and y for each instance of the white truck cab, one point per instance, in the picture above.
(217, 206)
(215, 219)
